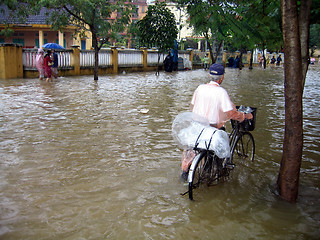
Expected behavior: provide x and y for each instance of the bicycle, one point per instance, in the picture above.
(207, 168)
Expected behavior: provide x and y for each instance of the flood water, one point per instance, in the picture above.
(79, 160)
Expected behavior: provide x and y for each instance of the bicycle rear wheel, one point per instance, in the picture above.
(243, 150)
(202, 172)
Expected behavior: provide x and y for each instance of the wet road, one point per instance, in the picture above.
(79, 160)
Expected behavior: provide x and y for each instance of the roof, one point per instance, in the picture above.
(10, 17)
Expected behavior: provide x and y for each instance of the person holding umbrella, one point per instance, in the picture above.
(47, 65)
(52, 46)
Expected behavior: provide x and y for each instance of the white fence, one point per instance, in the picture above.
(152, 58)
(29, 58)
(126, 58)
(130, 58)
(87, 58)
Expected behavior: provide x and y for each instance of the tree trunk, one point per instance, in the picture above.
(251, 60)
(304, 29)
(158, 64)
(288, 178)
(264, 58)
(210, 48)
(96, 63)
(96, 54)
(211, 53)
(217, 52)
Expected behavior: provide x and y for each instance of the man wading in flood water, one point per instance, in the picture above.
(212, 102)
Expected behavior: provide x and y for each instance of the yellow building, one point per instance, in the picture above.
(34, 31)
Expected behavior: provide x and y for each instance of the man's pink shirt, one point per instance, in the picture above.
(212, 102)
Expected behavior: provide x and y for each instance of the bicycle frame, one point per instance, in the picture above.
(206, 167)
(235, 133)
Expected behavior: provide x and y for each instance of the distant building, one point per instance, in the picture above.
(35, 30)
(185, 31)
(139, 12)
(181, 16)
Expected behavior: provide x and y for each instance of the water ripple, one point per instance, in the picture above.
(80, 160)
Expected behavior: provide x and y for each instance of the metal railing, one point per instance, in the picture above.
(152, 58)
(29, 58)
(87, 58)
(126, 58)
(64, 58)
(130, 57)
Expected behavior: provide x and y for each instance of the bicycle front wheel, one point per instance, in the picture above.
(202, 172)
(243, 150)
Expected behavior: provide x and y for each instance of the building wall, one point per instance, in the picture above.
(11, 65)
(30, 37)
(181, 16)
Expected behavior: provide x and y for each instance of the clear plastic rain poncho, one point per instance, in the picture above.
(190, 130)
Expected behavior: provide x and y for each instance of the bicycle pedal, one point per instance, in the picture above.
(230, 166)
(184, 177)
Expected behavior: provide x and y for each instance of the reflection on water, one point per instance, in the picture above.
(80, 161)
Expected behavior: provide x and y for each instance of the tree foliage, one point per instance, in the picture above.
(314, 37)
(231, 22)
(157, 29)
(265, 17)
(315, 12)
(91, 15)
(209, 19)
(315, 26)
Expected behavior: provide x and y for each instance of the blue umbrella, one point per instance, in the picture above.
(52, 46)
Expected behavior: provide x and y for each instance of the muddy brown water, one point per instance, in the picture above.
(79, 160)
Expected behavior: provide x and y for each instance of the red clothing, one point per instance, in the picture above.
(47, 66)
